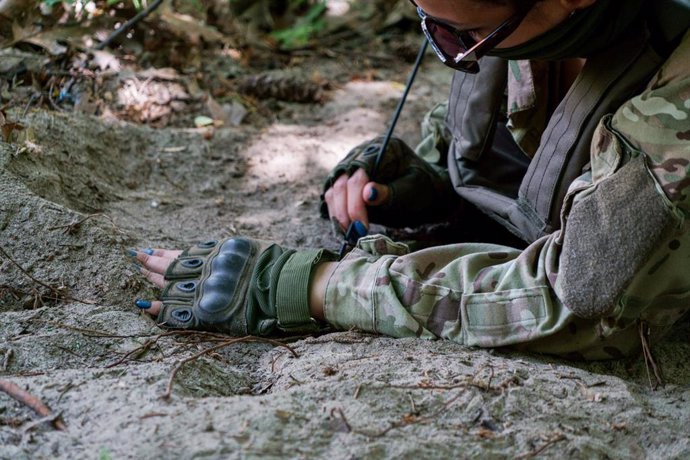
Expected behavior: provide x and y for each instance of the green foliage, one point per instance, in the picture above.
(104, 454)
(305, 27)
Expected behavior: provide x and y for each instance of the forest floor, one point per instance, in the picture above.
(132, 155)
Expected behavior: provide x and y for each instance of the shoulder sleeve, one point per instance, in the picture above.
(657, 123)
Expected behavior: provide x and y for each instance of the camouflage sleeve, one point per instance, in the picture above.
(619, 262)
(657, 122)
(435, 136)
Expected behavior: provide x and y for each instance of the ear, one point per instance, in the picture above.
(572, 5)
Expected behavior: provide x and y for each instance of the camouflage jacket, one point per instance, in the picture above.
(616, 268)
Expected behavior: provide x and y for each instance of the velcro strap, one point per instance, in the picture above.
(292, 296)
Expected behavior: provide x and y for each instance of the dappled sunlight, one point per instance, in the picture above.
(305, 148)
(337, 7)
(354, 116)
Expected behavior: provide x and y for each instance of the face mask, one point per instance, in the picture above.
(581, 35)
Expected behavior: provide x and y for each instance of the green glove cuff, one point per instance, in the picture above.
(292, 290)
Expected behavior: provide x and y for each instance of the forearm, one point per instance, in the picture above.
(479, 295)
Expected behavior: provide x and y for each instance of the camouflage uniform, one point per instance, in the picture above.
(490, 296)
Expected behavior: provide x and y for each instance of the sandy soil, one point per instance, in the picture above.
(83, 189)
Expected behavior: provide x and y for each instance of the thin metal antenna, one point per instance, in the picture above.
(352, 235)
(401, 104)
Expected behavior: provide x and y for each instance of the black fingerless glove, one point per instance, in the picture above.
(241, 287)
(420, 192)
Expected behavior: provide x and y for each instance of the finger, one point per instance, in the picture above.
(167, 253)
(356, 207)
(336, 200)
(153, 277)
(150, 307)
(157, 264)
(376, 194)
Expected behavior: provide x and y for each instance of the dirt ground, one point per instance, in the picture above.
(79, 190)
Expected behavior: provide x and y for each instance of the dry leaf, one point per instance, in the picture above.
(229, 114)
(8, 127)
(215, 109)
(164, 73)
(202, 121)
(47, 40)
(184, 25)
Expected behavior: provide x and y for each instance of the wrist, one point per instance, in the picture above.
(317, 288)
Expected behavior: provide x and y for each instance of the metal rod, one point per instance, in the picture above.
(129, 24)
(401, 104)
(351, 236)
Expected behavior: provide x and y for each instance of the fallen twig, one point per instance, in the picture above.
(409, 419)
(72, 228)
(90, 332)
(51, 90)
(140, 349)
(557, 438)
(206, 336)
(129, 24)
(649, 360)
(339, 411)
(357, 390)
(249, 338)
(469, 381)
(155, 338)
(59, 294)
(31, 401)
(6, 359)
(32, 99)
(54, 419)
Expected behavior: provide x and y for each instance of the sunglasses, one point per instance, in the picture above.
(456, 48)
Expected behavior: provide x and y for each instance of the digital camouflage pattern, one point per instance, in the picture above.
(492, 296)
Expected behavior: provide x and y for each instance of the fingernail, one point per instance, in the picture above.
(136, 267)
(360, 228)
(143, 304)
(148, 251)
(373, 194)
(131, 252)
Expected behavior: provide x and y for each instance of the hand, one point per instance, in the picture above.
(231, 285)
(348, 198)
(154, 263)
(408, 192)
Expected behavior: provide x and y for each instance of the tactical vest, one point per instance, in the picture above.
(527, 200)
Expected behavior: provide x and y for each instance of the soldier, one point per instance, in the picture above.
(568, 124)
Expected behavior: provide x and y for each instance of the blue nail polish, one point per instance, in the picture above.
(143, 304)
(131, 252)
(148, 251)
(373, 194)
(360, 229)
(136, 267)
